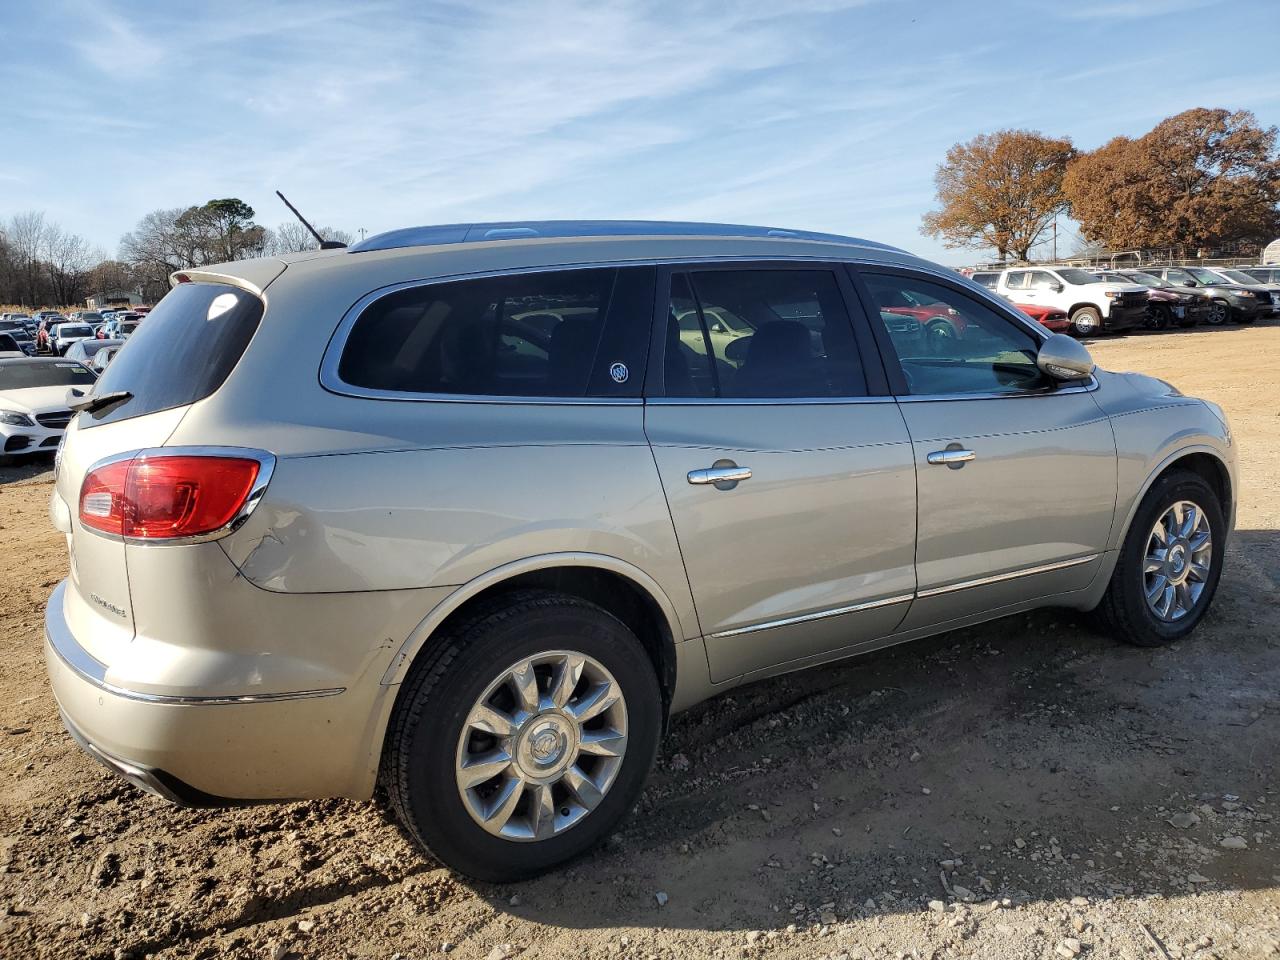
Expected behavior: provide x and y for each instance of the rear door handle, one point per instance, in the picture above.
(719, 475)
(953, 458)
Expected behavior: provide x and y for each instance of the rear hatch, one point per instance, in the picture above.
(181, 355)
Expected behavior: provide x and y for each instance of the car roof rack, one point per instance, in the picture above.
(546, 229)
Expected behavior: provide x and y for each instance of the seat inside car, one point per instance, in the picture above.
(779, 362)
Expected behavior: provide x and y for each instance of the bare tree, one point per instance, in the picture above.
(293, 237)
(25, 234)
(67, 260)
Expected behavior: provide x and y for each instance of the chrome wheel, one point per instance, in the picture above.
(541, 746)
(1218, 313)
(1178, 557)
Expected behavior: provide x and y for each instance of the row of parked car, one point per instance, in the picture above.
(86, 335)
(1089, 302)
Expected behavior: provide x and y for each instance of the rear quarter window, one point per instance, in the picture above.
(183, 353)
(564, 334)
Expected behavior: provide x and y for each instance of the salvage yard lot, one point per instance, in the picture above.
(1022, 789)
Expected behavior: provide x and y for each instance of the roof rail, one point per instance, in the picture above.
(530, 229)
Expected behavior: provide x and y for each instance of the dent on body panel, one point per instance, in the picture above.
(415, 518)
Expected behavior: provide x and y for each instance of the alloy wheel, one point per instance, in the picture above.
(1176, 564)
(541, 746)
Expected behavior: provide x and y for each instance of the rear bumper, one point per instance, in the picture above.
(214, 750)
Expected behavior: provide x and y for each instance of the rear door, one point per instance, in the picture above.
(1016, 474)
(786, 466)
(188, 346)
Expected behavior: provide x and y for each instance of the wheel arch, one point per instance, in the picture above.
(1084, 304)
(1202, 460)
(618, 587)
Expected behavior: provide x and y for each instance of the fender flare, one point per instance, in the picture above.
(421, 635)
(1161, 467)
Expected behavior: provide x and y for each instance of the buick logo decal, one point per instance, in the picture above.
(619, 372)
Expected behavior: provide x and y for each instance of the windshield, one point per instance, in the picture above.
(128, 327)
(184, 351)
(1077, 277)
(40, 373)
(1206, 276)
(74, 330)
(1148, 279)
(1238, 276)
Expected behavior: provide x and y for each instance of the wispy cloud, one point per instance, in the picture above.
(830, 114)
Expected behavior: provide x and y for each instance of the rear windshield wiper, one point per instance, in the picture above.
(92, 404)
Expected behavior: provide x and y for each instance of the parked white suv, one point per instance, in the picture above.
(1094, 306)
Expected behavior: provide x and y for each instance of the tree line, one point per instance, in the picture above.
(43, 265)
(1200, 181)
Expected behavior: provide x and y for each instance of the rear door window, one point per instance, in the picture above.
(760, 334)
(183, 353)
(564, 334)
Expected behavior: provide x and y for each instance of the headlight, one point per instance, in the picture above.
(1245, 293)
(16, 419)
(1112, 294)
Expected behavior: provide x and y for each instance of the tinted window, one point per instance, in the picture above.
(1043, 280)
(988, 280)
(762, 334)
(41, 373)
(1017, 280)
(185, 350)
(955, 344)
(8, 343)
(1077, 276)
(526, 335)
(70, 330)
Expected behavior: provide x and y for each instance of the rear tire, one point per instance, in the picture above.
(438, 732)
(1086, 322)
(1129, 610)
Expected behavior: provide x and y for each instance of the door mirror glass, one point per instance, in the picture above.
(1062, 358)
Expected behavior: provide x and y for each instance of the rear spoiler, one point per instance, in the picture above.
(252, 275)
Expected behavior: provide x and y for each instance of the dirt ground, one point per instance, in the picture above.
(1024, 789)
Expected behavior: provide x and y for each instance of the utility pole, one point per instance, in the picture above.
(362, 233)
(1055, 238)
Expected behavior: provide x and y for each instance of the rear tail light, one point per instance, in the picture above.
(168, 497)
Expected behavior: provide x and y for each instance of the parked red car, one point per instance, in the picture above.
(1048, 317)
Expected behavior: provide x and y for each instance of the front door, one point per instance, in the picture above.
(1016, 474)
(792, 489)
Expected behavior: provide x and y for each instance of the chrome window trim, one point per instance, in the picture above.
(809, 617)
(85, 666)
(266, 469)
(332, 382)
(761, 401)
(1087, 387)
(1011, 575)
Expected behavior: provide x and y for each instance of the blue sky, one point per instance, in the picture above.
(818, 114)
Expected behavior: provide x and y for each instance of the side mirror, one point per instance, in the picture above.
(1062, 358)
(1056, 287)
(1188, 283)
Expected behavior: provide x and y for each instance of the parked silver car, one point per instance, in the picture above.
(479, 507)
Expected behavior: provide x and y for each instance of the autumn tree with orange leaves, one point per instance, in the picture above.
(999, 190)
(1200, 179)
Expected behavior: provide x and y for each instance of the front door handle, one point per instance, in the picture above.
(725, 475)
(955, 458)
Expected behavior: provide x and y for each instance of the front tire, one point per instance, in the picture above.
(1086, 322)
(1169, 565)
(522, 738)
(1219, 313)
